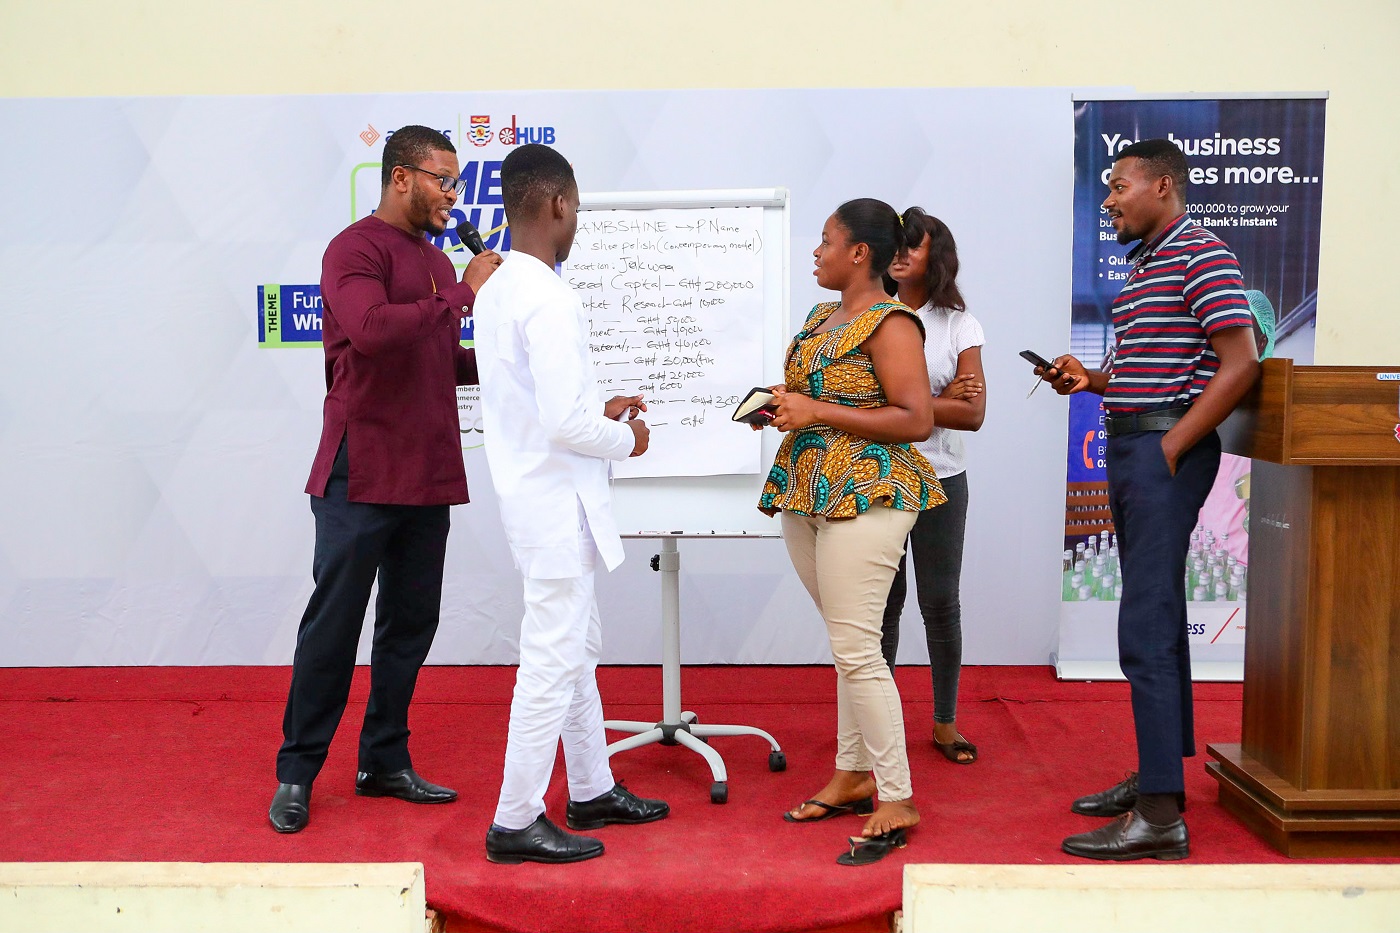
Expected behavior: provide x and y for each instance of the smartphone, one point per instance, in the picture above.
(1036, 360)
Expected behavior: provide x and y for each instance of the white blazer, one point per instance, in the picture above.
(547, 442)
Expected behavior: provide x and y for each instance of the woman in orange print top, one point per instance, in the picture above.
(848, 487)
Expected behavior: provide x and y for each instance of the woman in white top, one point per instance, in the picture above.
(925, 276)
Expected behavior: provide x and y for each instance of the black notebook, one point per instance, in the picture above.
(756, 408)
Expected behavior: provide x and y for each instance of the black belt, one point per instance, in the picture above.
(1148, 421)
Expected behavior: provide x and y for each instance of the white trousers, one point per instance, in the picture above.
(556, 695)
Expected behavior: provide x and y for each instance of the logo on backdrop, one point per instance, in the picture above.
(479, 131)
(515, 135)
(370, 136)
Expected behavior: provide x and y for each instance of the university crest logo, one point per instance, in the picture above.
(479, 132)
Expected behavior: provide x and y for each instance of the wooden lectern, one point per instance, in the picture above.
(1318, 770)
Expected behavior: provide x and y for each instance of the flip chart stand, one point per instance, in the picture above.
(679, 727)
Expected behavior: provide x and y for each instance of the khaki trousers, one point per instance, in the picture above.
(847, 566)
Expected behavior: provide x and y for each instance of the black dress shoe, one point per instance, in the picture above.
(618, 805)
(1131, 837)
(541, 841)
(405, 785)
(1117, 800)
(291, 808)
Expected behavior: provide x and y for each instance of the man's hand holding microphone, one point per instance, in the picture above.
(483, 262)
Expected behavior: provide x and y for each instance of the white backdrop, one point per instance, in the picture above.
(152, 456)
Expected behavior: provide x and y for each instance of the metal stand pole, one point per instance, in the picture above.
(679, 727)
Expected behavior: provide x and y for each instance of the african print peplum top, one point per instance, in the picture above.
(820, 470)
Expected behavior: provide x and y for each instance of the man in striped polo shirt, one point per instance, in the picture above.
(1184, 357)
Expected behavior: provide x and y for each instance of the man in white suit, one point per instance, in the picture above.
(549, 439)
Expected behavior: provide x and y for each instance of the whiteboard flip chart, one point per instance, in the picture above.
(675, 298)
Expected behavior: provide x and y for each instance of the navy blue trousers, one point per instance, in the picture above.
(1154, 514)
(405, 547)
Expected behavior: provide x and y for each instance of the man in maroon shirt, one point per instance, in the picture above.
(388, 467)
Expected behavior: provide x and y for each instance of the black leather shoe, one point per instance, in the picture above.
(541, 841)
(405, 785)
(291, 808)
(1131, 837)
(618, 805)
(1117, 800)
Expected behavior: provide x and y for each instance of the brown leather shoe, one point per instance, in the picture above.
(1131, 837)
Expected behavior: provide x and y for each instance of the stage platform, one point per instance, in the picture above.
(176, 764)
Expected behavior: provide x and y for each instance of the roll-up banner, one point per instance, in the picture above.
(1256, 181)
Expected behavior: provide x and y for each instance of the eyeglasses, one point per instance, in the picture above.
(445, 182)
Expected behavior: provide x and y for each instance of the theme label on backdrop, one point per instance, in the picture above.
(1255, 181)
(290, 316)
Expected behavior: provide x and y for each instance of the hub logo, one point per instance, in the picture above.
(514, 135)
(370, 136)
(479, 131)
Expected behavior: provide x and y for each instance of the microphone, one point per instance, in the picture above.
(470, 236)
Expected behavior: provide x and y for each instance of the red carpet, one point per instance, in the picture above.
(177, 764)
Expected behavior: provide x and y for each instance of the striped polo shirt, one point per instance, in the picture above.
(1185, 286)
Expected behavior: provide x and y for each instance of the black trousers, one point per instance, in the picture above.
(936, 544)
(1154, 513)
(404, 546)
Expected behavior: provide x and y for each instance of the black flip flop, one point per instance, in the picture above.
(867, 850)
(863, 807)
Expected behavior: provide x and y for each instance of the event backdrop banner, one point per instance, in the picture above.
(161, 380)
(1256, 181)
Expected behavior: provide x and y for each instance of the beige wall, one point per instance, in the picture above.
(1348, 47)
